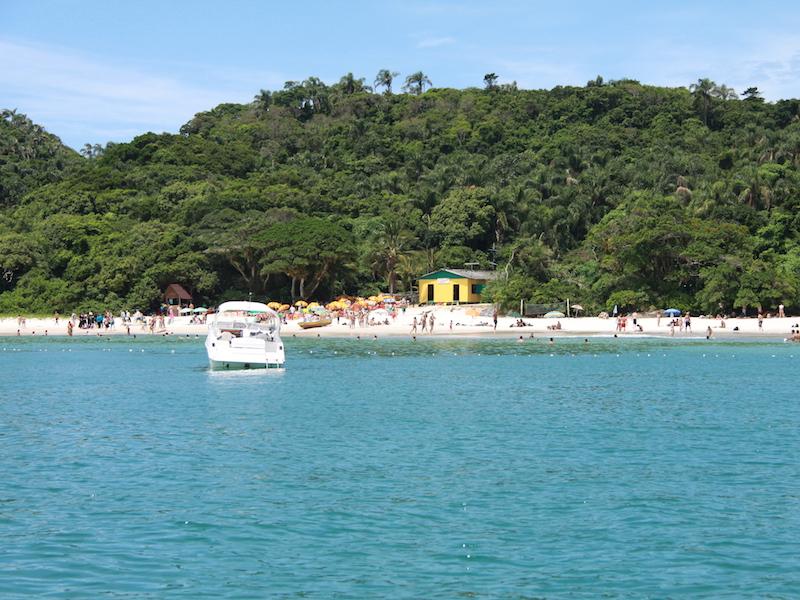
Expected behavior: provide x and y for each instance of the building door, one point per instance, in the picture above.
(430, 292)
(456, 292)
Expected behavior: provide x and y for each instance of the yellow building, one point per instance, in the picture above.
(453, 286)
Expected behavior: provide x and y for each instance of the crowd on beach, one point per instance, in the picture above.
(400, 317)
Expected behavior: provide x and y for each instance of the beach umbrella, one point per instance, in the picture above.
(301, 303)
(313, 305)
(672, 312)
(284, 307)
(577, 307)
(320, 310)
(201, 309)
(274, 305)
(554, 314)
(186, 310)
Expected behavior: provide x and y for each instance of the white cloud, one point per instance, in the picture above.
(83, 99)
(435, 42)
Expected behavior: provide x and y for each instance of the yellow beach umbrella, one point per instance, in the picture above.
(313, 304)
(274, 305)
(284, 307)
(301, 303)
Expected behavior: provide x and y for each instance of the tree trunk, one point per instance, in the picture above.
(318, 279)
(254, 278)
(302, 285)
(294, 279)
(392, 280)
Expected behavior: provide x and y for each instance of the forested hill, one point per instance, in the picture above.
(29, 157)
(613, 193)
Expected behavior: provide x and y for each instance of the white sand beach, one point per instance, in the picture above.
(463, 324)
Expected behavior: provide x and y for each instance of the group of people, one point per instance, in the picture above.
(426, 323)
(682, 323)
(90, 320)
(363, 318)
(622, 324)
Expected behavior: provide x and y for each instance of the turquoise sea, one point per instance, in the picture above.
(395, 469)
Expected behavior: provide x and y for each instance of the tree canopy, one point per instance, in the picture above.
(611, 193)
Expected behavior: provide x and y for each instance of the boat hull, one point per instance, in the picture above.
(314, 324)
(224, 365)
(245, 353)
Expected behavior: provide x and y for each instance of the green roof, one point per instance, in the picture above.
(460, 274)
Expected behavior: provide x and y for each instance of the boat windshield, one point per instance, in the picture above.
(253, 322)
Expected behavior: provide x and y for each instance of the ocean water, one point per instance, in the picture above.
(389, 468)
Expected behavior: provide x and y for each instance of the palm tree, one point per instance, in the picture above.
(391, 242)
(703, 92)
(384, 78)
(416, 82)
(408, 270)
(490, 81)
(723, 92)
(262, 101)
(350, 85)
(504, 202)
(756, 193)
(315, 95)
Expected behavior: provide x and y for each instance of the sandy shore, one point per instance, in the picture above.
(462, 325)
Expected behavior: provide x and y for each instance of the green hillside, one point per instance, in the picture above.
(612, 193)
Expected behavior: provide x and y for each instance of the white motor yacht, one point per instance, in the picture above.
(245, 335)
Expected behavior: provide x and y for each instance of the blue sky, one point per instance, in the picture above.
(93, 71)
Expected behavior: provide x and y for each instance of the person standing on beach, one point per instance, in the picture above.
(780, 311)
(432, 319)
(69, 328)
(688, 322)
(414, 326)
(494, 319)
(760, 321)
(424, 322)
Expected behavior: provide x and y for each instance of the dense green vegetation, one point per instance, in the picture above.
(612, 193)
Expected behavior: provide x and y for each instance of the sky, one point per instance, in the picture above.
(93, 72)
